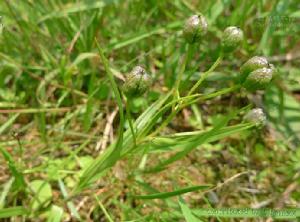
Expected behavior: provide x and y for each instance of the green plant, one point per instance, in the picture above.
(83, 139)
(143, 132)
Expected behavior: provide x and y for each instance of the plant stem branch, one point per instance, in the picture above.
(129, 118)
(205, 74)
(188, 100)
(182, 69)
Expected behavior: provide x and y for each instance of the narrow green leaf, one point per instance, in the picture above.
(195, 141)
(19, 179)
(172, 193)
(108, 217)
(74, 8)
(143, 124)
(187, 213)
(188, 147)
(141, 36)
(70, 204)
(12, 212)
(8, 123)
(5, 191)
(110, 157)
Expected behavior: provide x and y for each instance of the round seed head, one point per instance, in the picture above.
(194, 28)
(137, 82)
(258, 79)
(256, 62)
(232, 38)
(257, 117)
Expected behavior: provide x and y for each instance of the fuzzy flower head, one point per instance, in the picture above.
(257, 117)
(137, 82)
(232, 38)
(195, 28)
(256, 73)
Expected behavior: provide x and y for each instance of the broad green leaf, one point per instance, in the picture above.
(85, 161)
(55, 214)
(42, 191)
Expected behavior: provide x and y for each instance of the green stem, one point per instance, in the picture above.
(182, 69)
(129, 118)
(182, 104)
(205, 74)
(168, 106)
(221, 92)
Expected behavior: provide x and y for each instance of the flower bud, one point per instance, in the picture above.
(256, 116)
(195, 27)
(256, 62)
(137, 82)
(258, 79)
(232, 38)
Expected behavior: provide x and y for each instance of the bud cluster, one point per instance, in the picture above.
(256, 73)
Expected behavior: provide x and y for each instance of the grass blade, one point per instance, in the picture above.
(172, 193)
(70, 204)
(19, 179)
(12, 212)
(109, 158)
(75, 8)
(8, 123)
(187, 213)
(188, 145)
(108, 217)
(5, 191)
